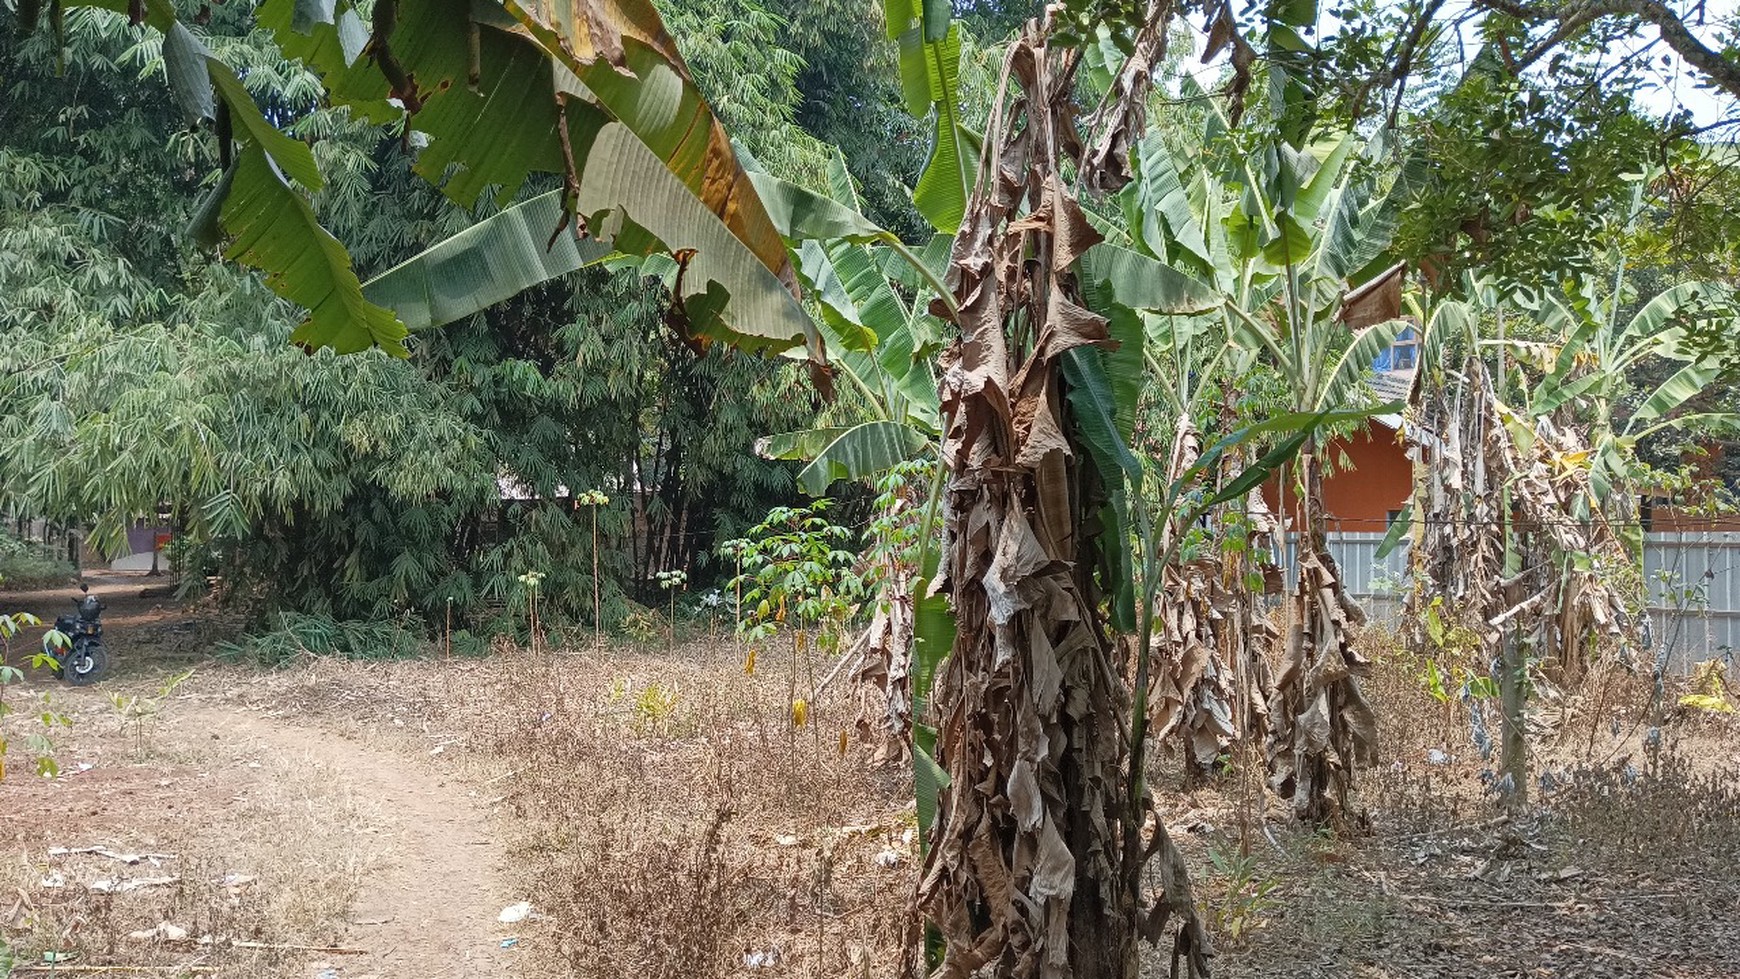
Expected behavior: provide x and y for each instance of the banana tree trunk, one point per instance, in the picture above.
(1248, 638)
(1504, 556)
(1036, 857)
(1323, 728)
(1193, 695)
(1513, 751)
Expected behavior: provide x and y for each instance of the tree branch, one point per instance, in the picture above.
(1399, 61)
(1715, 65)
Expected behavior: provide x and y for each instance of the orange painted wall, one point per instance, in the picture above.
(1370, 475)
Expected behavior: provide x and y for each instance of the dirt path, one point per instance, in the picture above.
(429, 897)
(350, 832)
(274, 825)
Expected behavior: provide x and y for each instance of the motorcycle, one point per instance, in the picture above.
(80, 658)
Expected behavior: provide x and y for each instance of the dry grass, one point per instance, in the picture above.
(666, 818)
(265, 854)
(1621, 867)
(675, 821)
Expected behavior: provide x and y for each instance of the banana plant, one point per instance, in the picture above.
(929, 39)
(1270, 246)
(881, 343)
(1271, 249)
(601, 97)
(1275, 247)
(1588, 370)
(1516, 549)
(884, 346)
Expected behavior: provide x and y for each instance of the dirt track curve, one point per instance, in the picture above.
(429, 898)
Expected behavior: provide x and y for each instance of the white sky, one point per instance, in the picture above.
(1678, 85)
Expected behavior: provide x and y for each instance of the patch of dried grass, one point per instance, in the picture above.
(675, 821)
(1661, 806)
(280, 863)
(303, 830)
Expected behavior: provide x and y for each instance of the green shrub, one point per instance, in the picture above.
(24, 566)
(295, 635)
(467, 643)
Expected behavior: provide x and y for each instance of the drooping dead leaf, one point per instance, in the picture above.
(1029, 873)
(1210, 680)
(1319, 721)
(1479, 461)
(1377, 301)
(621, 53)
(1123, 112)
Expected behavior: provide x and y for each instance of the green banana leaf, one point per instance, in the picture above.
(930, 59)
(929, 779)
(184, 64)
(1678, 388)
(851, 452)
(801, 214)
(1094, 406)
(1554, 391)
(1663, 307)
(1398, 530)
(1169, 223)
(1355, 362)
(646, 86)
(934, 625)
(871, 333)
(1140, 282)
(487, 263)
(1295, 425)
(738, 284)
(271, 226)
(304, 264)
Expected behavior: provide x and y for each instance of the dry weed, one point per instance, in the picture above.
(270, 855)
(1660, 807)
(303, 833)
(677, 823)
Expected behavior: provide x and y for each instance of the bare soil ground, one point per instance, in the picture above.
(663, 818)
(219, 824)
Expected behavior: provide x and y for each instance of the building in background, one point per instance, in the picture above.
(1369, 473)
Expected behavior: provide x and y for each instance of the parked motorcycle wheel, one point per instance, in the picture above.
(86, 664)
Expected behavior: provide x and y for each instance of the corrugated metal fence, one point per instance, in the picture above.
(1694, 593)
(1693, 579)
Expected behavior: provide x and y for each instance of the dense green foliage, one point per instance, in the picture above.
(26, 564)
(140, 377)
